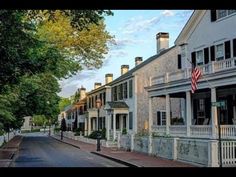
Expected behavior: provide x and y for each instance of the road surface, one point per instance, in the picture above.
(39, 150)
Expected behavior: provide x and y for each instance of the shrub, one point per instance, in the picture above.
(57, 129)
(93, 135)
(124, 131)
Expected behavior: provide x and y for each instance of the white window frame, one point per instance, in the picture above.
(197, 58)
(227, 13)
(162, 122)
(223, 52)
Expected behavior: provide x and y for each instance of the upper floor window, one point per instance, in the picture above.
(125, 89)
(199, 57)
(219, 52)
(115, 93)
(131, 88)
(221, 13)
(217, 14)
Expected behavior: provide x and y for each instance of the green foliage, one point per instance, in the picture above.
(124, 131)
(40, 47)
(93, 135)
(63, 103)
(57, 129)
(39, 120)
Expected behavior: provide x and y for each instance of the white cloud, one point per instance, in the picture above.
(139, 24)
(168, 13)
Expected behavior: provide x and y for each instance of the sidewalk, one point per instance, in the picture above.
(8, 151)
(129, 158)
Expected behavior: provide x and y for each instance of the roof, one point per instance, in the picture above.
(147, 61)
(67, 108)
(117, 104)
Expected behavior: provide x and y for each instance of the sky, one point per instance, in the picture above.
(135, 35)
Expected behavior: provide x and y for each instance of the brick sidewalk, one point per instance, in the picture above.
(9, 150)
(137, 159)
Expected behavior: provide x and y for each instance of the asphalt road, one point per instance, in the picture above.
(42, 151)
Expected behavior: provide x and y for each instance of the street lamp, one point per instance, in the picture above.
(98, 106)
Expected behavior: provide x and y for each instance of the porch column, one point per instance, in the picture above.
(114, 126)
(85, 127)
(108, 127)
(89, 125)
(234, 108)
(167, 113)
(127, 123)
(150, 115)
(150, 123)
(214, 115)
(189, 112)
(121, 123)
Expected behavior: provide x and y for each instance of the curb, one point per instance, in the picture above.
(65, 142)
(116, 160)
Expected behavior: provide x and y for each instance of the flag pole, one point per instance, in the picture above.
(210, 85)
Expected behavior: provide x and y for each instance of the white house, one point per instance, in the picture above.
(207, 41)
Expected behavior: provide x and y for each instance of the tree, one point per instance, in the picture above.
(39, 120)
(32, 62)
(63, 103)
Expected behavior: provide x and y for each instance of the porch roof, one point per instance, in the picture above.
(117, 104)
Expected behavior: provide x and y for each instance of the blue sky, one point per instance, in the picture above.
(135, 35)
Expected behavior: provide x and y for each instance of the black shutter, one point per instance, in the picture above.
(234, 47)
(206, 55)
(193, 54)
(195, 102)
(179, 62)
(158, 118)
(227, 49)
(213, 53)
(213, 15)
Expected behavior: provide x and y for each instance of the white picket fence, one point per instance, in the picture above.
(228, 149)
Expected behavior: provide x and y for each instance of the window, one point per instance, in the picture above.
(131, 88)
(179, 62)
(161, 118)
(219, 52)
(224, 13)
(199, 57)
(120, 91)
(125, 89)
(130, 120)
(92, 101)
(104, 98)
(100, 96)
(115, 93)
(201, 105)
(221, 13)
(231, 11)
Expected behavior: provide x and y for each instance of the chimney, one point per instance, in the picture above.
(162, 41)
(82, 92)
(108, 78)
(97, 84)
(124, 69)
(138, 60)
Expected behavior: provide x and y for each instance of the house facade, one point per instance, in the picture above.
(208, 41)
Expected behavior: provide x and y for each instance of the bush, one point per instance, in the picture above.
(57, 129)
(35, 130)
(1, 132)
(93, 135)
(124, 131)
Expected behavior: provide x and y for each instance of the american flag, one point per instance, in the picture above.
(196, 74)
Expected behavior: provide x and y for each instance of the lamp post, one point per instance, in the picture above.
(98, 106)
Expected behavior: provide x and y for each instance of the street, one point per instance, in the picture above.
(39, 150)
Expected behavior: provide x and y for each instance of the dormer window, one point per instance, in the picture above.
(221, 13)
(218, 14)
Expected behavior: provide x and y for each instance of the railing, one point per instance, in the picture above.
(212, 67)
(159, 129)
(176, 75)
(228, 131)
(178, 130)
(228, 150)
(158, 80)
(200, 131)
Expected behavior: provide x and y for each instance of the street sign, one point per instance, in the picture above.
(218, 104)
